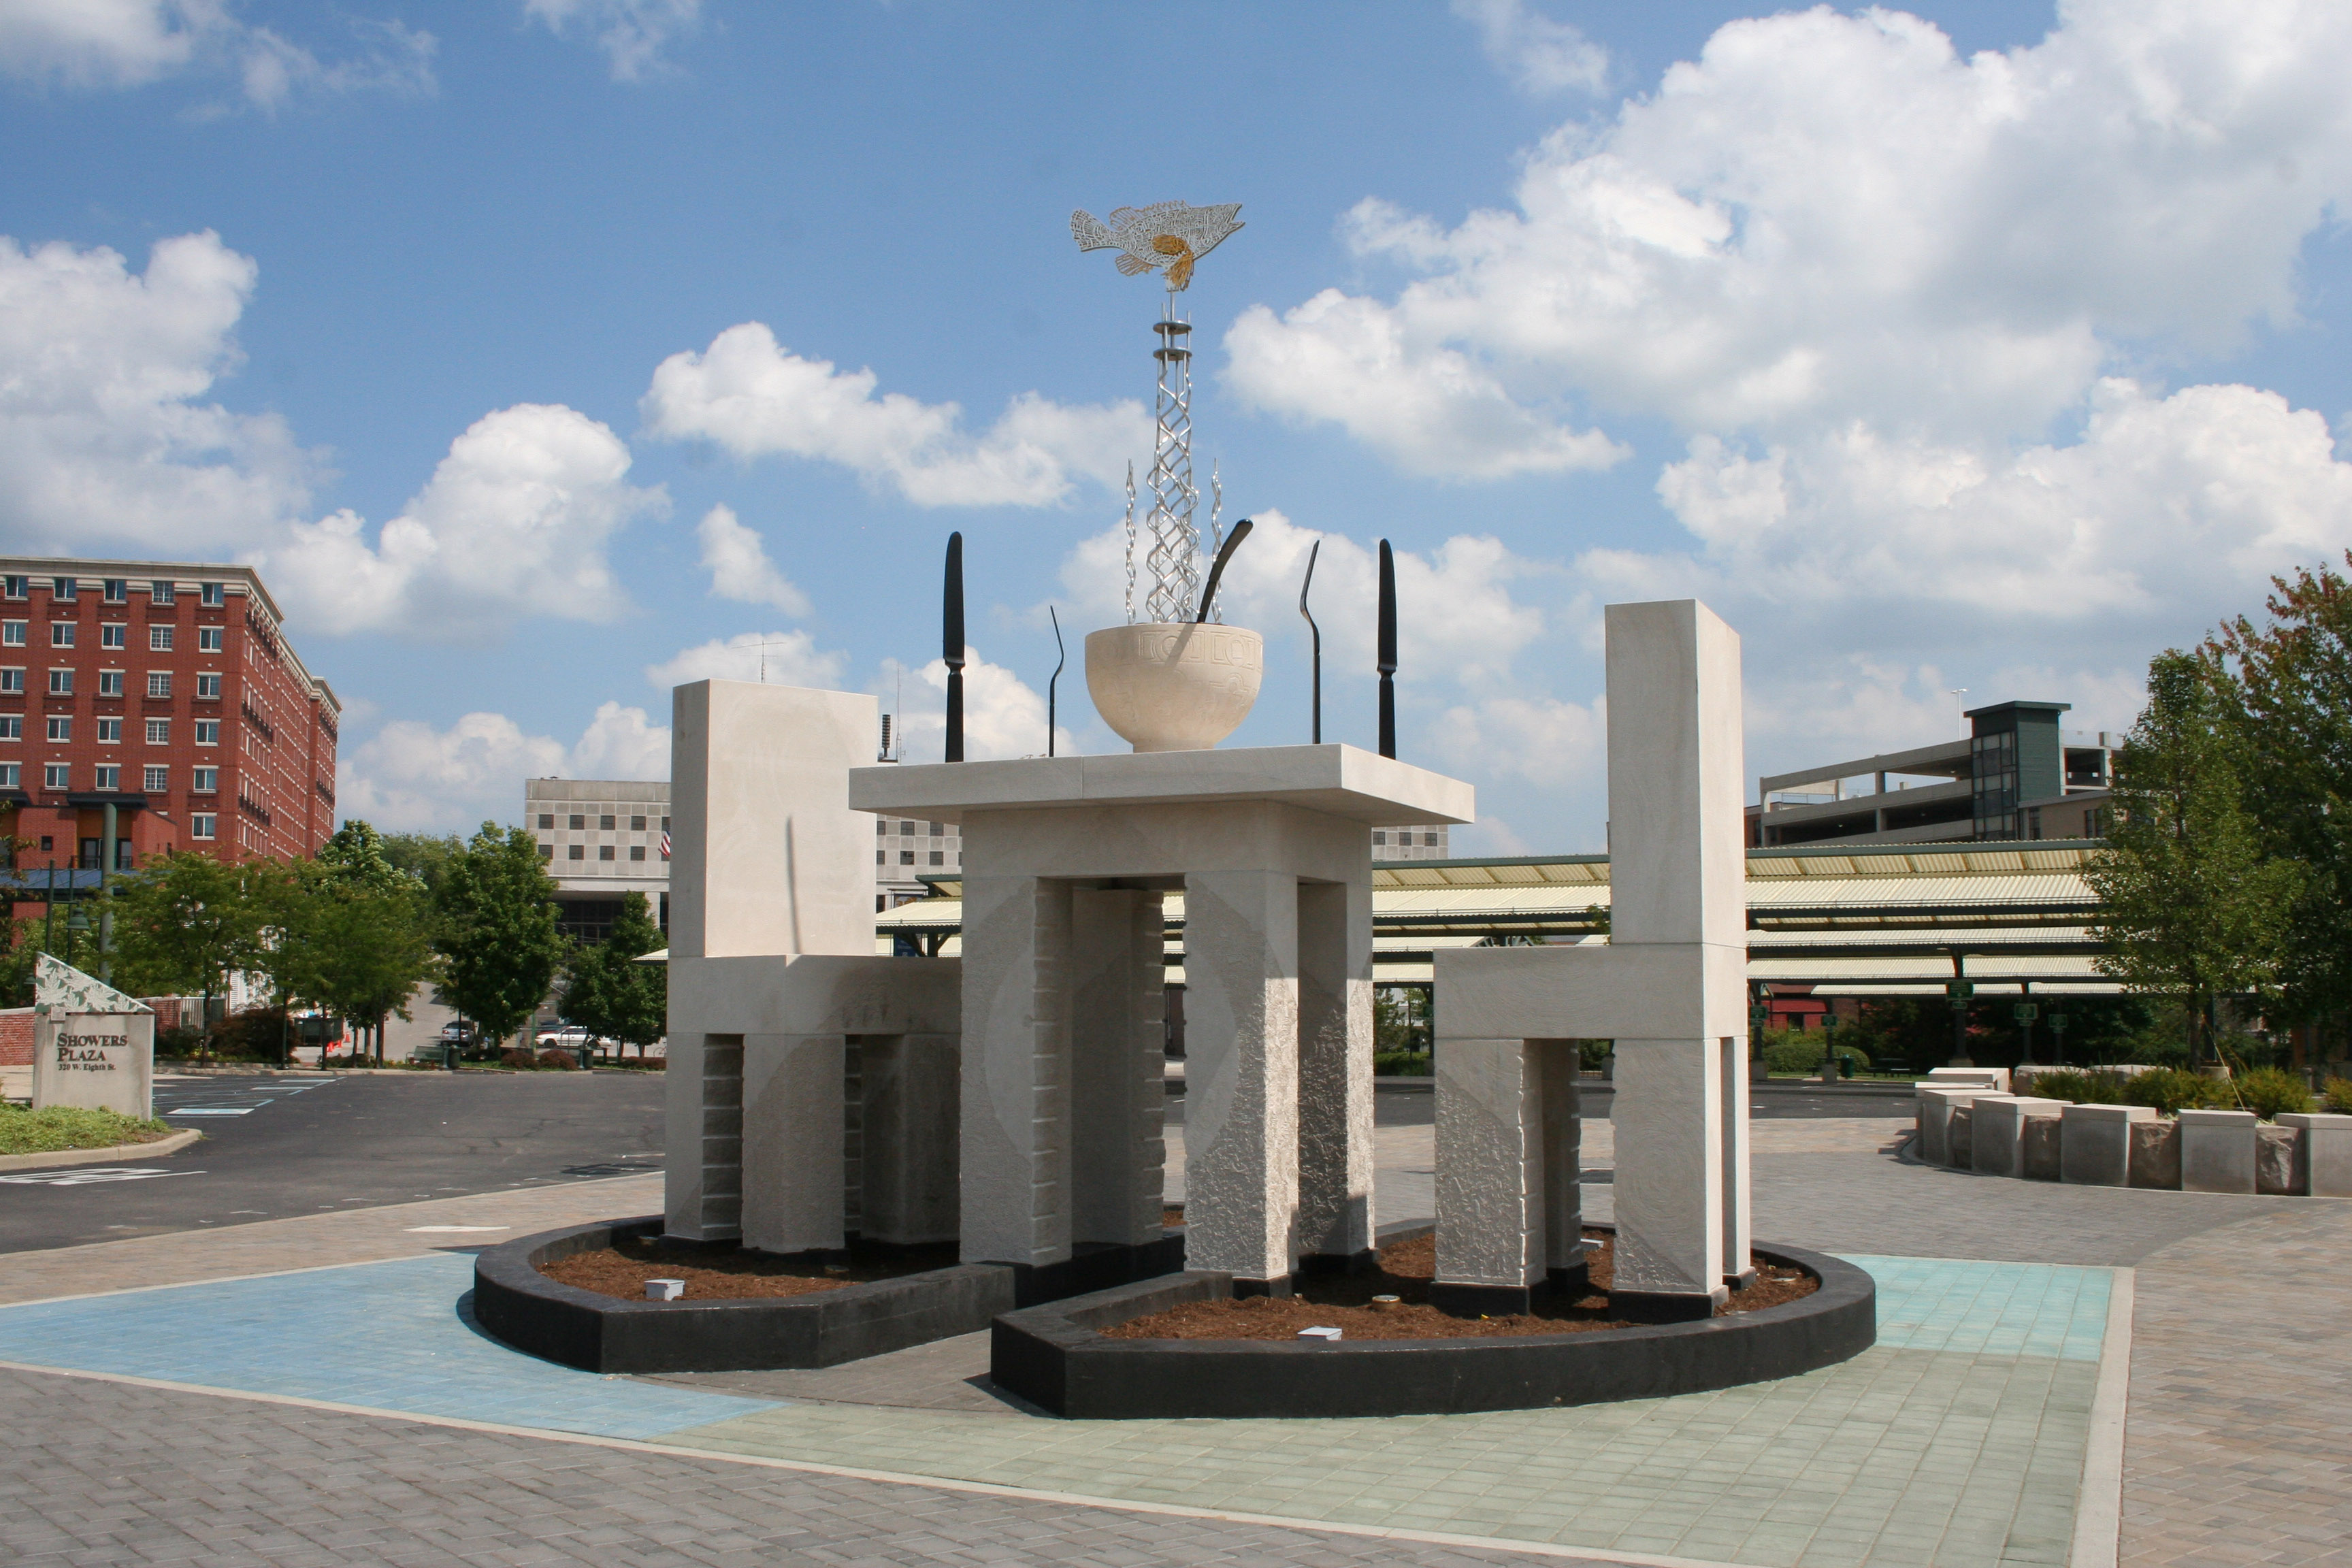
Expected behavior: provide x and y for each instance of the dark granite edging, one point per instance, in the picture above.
(517, 1304)
(1055, 1357)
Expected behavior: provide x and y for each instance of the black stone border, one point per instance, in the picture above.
(1055, 1357)
(517, 1304)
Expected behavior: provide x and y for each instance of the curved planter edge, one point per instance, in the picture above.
(525, 1310)
(1055, 1356)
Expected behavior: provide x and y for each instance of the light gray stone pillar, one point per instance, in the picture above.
(1669, 1189)
(1997, 1132)
(1117, 1046)
(1739, 1260)
(1241, 1031)
(794, 1135)
(2217, 1151)
(1563, 1152)
(2094, 1147)
(913, 1111)
(2322, 1157)
(1335, 1223)
(1492, 1239)
(1016, 1071)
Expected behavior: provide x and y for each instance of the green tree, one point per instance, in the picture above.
(496, 930)
(2292, 719)
(2191, 907)
(188, 921)
(608, 993)
(421, 855)
(359, 931)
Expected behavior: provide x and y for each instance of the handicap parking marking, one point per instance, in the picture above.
(83, 1175)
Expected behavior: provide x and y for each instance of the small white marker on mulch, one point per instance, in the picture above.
(1326, 1336)
(665, 1289)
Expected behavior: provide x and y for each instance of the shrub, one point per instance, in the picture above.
(517, 1058)
(24, 1131)
(2266, 1092)
(2172, 1091)
(1400, 1064)
(180, 1040)
(2077, 1086)
(564, 1060)
(1800, 1050)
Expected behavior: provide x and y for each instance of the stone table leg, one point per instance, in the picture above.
(1118, 1074)
(793, 1142)
(1491, 1233)
(1668, 1190)
(1241, 1133)
(1016, 1085)
(912, 1109)
(1334, 1076)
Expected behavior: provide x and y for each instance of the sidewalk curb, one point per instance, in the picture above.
(58, 1158)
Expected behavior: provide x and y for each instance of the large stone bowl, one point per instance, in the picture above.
(1172, 686)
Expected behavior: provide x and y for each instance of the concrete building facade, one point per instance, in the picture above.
(168, 690)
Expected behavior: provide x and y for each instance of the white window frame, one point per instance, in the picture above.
(159, 732)
(205, 740)
(207, 782)
(203, 825)
(161, 639)
(57, 776)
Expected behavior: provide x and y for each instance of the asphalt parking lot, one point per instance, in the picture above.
(280, 1144)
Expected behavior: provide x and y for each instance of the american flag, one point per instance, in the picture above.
(665, 846)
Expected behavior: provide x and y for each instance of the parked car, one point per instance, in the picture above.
(459, 1032)
(565, 1036)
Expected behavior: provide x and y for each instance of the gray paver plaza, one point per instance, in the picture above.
(1959, 1440)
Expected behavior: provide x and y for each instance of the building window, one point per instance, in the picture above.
(906, 857)
(12, 727)
(159, 683)
(61, 683)
(637, 825)
(109, 731)
(938, 859)
(12, 634)
(159, 638)
(206, 781)
(158, 780)
(53, 777)
(117, 591)
(907, 828)
(938, 828)
(19, 587)
(162, 592)
(159, 732)
(60, 726)
(110, 777)
(881, 857)
(665, 825)
(202, 824)
(207, 732)
(61, 634)
(881, 828)
(208, 640)
(112, 635)
(547, 819)
(13, 680)
(1379, 836)
(64, 590)
(576, 852)
(577, 821)
(604, 823)
(212, 594)
(547, 851)
(9, 773)
(110, 683)
(636, 851)
(208, 687)
(604, 852)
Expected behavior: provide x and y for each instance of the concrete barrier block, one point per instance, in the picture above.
(1997, 1132)
(2155, 1155)
(2217, 1151)
(2275, 1161)
(2039, 1147)
(2094, 1143)
(2323, 1155)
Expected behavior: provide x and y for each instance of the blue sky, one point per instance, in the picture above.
(1979, 346)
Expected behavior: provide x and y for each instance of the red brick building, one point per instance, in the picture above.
(168, 692)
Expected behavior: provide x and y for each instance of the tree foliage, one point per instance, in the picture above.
(423, 856)
(188, 921)
(608, 993)
(496, 930)
(357, 932)
(2290, 717)
(2191, 905)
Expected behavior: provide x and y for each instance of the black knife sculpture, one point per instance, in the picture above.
(951, 640)
(1388, 651)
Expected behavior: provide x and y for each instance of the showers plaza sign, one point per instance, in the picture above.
(93, 1048)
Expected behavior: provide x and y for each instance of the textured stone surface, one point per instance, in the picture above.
(2095, 1143)
(2323, 1153)
(1997, 1132)
(1960, 1138)
(2217, 1151)
(2275, 1161)
(2039, 1148)
(2155, 1155)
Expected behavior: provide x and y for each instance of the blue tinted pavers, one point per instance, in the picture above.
(1989, 1309)
(387, 1336)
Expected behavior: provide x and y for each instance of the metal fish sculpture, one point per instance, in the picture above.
(1166, 234)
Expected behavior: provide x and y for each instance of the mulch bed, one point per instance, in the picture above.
(621, 1270)
(1345, 1302)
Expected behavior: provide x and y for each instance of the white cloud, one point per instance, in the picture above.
(1541, 740)
(87, 44)
(737, 558)
(753, 398)
(632, 33)
(104, 433)
(1458, 625)
(410, 776)
(1004, 716)
(1829, 217)
(2166, 508)
(514, 520)
(779, 659)
(1537, 53)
